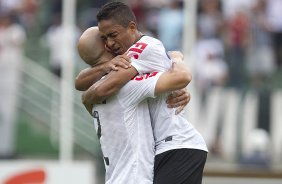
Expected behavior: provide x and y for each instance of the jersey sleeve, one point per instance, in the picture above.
(148, 56)
(139, 88)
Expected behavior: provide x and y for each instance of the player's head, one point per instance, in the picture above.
(118, 27)
(91, 48)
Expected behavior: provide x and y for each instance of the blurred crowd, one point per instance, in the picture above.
(12, 39)
(237, 41)
(240, 40)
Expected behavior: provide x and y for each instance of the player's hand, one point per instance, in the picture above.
(122, 61)
(179, 98)
(175, 54)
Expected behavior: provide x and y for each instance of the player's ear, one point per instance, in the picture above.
(132, 26)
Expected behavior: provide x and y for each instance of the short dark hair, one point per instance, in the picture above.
(117, 11)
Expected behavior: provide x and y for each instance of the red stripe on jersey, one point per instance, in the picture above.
(136, 50)
(144, 76)
(143, 45)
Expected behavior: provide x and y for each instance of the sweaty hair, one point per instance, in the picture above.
(117, 11)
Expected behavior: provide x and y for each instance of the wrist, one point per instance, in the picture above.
(104, 68)
(175, 55)
(177, 59)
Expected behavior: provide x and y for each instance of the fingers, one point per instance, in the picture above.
(174, 54)
(174, 104)
(113, 67)
(176, 101)
(125, 57)
(176, 93)
(179, 109)
(122, 61)
(179, 98)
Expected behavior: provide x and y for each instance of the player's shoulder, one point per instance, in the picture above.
(146, 46)
(150, 39)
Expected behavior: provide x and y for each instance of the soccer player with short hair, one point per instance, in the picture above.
(123, 121)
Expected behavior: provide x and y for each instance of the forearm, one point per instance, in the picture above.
(179, 98)
(108, 86)
(180, 75)
(89, 76)
(180, 69)
(113, 82)
(177, 77)
(91, 97)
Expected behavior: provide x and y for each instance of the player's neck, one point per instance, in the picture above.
(139, 35)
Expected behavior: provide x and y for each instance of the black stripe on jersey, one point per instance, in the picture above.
(168, 55)
(107, 160)
(169, 138)
(96, 115)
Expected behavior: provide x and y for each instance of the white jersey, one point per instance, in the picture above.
(170, 131)
(124, 128)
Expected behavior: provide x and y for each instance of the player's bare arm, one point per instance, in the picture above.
(89, 40)
(89, 76)
(178, 98)
(177, 77)
(107, 86)
(117, 79)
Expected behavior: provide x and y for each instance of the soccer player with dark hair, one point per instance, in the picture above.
(123, 122)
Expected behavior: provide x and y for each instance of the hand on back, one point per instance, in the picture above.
(178, 99)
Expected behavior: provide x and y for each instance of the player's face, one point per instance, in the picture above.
(116, 37)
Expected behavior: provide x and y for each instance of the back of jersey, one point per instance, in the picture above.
(124, 127)
(172, 131)
(113, 136)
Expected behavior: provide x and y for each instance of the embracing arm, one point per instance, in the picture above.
(90, 75)
(107, 86)
(177, 77)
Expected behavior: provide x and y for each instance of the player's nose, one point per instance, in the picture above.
(110, 43)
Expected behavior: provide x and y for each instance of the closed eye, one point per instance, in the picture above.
(104, 38)
(113, 35)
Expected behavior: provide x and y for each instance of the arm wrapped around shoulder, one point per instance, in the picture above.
(177, 77)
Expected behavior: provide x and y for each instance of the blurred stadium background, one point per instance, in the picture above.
(233, 47)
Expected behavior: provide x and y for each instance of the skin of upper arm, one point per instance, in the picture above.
(87, 77)
(80, 82)
(112, 83)
(107, 86)
(172, 80)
